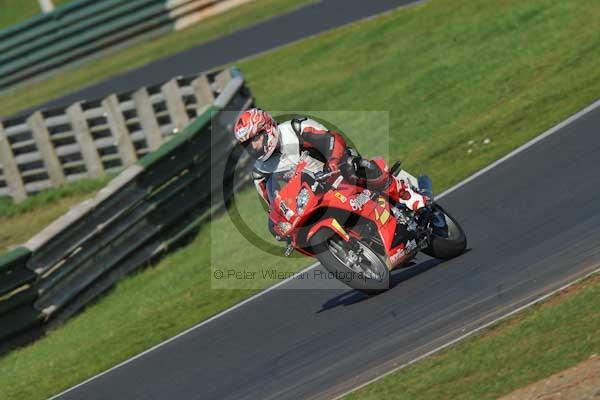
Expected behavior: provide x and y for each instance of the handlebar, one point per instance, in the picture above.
(323, 177)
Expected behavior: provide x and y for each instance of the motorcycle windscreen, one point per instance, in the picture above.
(276, 182)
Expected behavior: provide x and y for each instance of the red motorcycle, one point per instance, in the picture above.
(356, 232)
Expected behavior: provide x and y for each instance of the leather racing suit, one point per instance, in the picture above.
(327, 150)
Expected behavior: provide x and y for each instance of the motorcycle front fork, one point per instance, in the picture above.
(289, 248)
(421, 229)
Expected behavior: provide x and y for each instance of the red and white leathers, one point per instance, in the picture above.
(326, 148)
(402, 193)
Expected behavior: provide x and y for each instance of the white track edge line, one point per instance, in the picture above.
(518, 150)
(472, 332)
(185, 332)
(525, 146)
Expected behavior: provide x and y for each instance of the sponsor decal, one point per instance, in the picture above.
(396, 257)
(359, 201)
(340, 197)
(409, 247)
(287, 212)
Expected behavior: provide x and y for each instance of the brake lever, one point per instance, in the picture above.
(321, 178)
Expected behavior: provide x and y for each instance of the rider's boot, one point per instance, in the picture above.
(400, 192)
(403, 195)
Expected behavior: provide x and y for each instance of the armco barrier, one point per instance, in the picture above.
(89, 139)
(84, 27)
(17, 293)
(140, 214)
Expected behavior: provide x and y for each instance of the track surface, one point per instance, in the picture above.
(533, 224)
(295, 25)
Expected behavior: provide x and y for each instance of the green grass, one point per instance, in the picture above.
(87, 73)
(15, 11)
(32, 215)
(448, 72)
(531, 346)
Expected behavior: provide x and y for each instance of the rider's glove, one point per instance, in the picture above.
(333, 166)
(359, 163)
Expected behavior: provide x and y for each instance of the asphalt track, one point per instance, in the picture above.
(274, 32)
(533, 224)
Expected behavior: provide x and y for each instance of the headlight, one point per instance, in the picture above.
(284, 227)
(302, 199)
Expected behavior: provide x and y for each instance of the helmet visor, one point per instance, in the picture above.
(256, 146)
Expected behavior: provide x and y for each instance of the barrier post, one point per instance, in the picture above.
(91, 158)
(119, 130)
(147, 119)
(203, 92)
(175, 105)
(37, 124)
(12, 176)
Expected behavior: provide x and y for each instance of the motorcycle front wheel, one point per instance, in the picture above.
(448, 239)
(352, 262)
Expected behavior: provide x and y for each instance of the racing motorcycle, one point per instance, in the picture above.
(357, 233)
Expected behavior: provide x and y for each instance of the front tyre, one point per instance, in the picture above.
(448, 239)
(352, 262)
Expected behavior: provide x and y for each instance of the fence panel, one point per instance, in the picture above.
(92, 138)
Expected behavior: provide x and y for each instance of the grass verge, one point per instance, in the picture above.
(16, 11)
(21, 221)
(94, 70)
(547, 338)
(450, 73)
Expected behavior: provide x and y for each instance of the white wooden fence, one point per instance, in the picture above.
(88, 139)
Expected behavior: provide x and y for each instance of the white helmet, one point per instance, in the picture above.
(252, 124)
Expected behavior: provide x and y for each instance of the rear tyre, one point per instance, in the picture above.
(448, 239)
(352, 262)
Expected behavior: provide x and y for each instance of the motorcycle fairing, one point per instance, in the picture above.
(377, 210)
(346, 197)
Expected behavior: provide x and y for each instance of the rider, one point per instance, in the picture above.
(277, 147)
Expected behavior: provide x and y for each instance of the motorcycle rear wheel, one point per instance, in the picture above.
(369, 273)
(448, 241)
